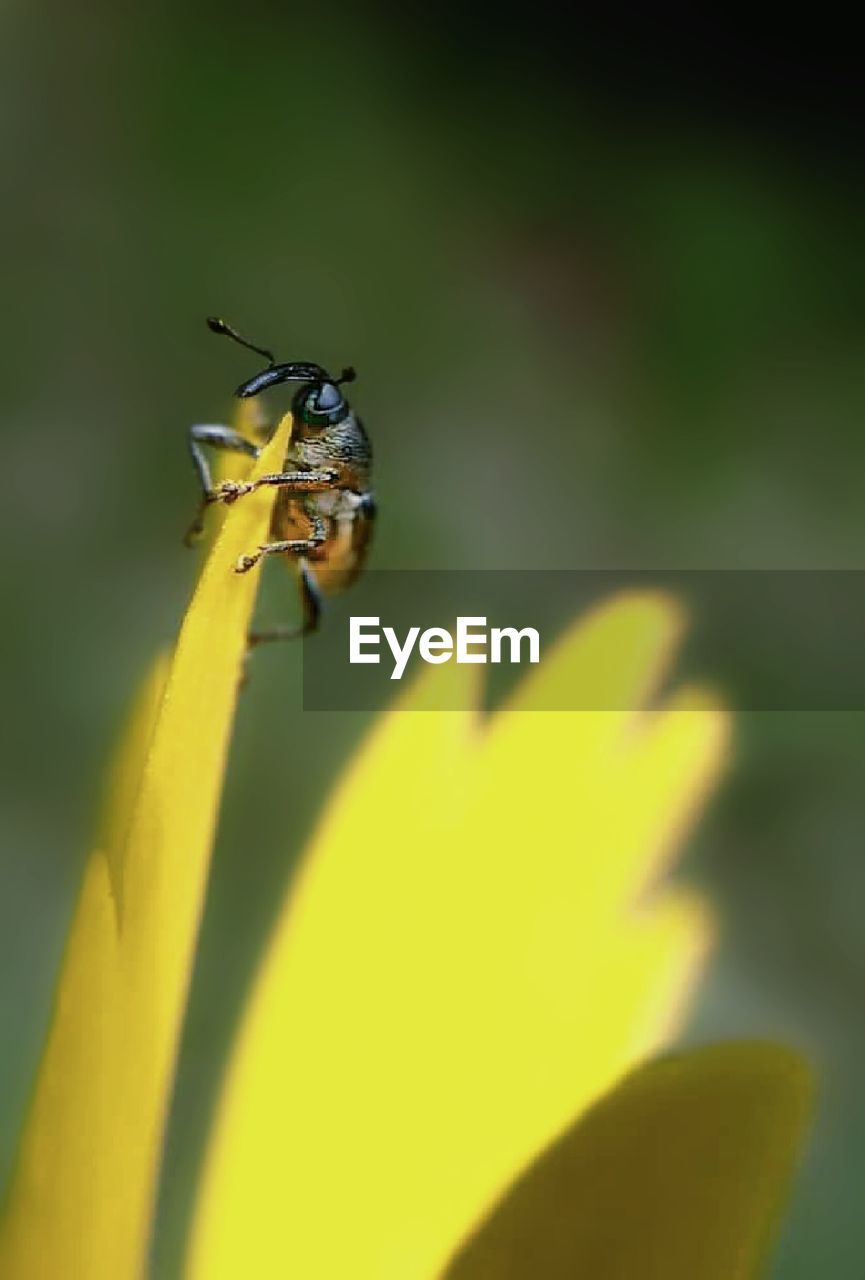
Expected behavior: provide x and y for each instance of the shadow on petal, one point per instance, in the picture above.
(678, 1173)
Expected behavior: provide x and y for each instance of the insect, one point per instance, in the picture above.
(324, 510)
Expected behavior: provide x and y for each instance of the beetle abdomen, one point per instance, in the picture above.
(348, 529)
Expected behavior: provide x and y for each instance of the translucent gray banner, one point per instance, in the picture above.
(769, 640)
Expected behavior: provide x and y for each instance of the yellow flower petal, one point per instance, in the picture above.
(612, 659)
(678, 1174)
(81, 1197)
(463, 965)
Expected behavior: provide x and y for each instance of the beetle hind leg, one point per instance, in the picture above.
(311, 602)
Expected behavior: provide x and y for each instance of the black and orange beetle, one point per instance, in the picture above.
(324, 510)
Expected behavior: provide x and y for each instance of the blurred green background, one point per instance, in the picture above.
(606, 296)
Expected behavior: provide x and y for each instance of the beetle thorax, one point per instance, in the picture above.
(341, 443)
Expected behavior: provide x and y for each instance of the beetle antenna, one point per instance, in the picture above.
(348, 375)
(215, 325)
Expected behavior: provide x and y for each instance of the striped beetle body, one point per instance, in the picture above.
(324, 510)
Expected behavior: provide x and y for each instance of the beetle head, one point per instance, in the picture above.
(317, 403)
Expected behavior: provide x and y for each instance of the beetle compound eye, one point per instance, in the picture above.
(328, 398)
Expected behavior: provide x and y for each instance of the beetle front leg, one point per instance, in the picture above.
(297, 546)
(219, 437)
(231, 490)
(297, 481)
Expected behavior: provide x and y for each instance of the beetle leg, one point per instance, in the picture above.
(311, 601)
(295, 481)
(220, 437)
(299, 481)
(296, 545)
